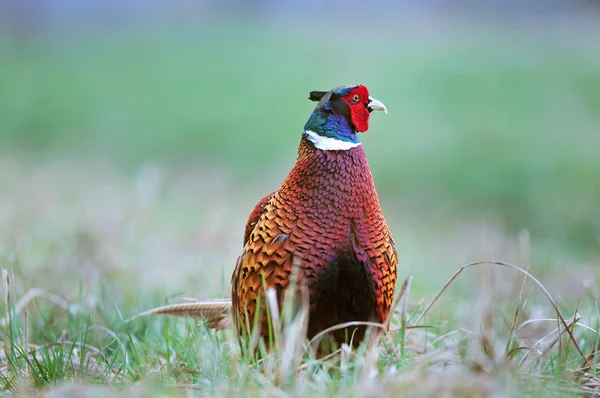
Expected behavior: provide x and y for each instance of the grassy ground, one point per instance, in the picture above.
(131, 161)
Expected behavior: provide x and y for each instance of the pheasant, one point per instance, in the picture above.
(322, 232)
(325, 219)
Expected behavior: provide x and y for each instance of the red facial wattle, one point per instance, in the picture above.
(358, 100)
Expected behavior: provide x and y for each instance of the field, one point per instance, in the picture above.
(131, 158)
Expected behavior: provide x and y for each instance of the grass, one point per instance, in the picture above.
(81, 260)
(421, 355)
(131, 160)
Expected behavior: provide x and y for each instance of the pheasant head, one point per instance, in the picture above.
(339, 115)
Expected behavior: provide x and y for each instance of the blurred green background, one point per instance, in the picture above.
(493, 122)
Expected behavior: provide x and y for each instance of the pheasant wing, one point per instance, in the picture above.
(374, 246)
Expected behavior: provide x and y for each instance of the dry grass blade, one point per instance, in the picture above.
(591, 386)
(516, 268)
(342, 326)
(26, 339)
(524, 246)
(115, 339)
(530, 321)
(323, 359)
(437, 355)
(512, 352)
(591, 361)
(34, 293)
(403, 289)
(5, 286)
(215, 312)
(543, 345)
(292, 346)
(440, 327)
(7, 318)
(272, 302)
(588, 375)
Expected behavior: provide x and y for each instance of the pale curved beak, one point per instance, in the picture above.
(376, 105)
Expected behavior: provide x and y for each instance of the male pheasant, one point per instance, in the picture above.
(325, 224)
(322, 232)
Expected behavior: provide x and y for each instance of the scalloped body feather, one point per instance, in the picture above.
(325, 222)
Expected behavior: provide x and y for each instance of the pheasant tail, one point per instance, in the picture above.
(216, 313)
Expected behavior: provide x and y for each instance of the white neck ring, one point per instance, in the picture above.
(329, 143)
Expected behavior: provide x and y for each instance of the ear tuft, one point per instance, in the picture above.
(316, 95)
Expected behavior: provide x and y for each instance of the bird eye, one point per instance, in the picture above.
(356, 98)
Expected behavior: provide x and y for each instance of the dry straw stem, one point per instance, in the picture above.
(5, 286)
(524, 247)
(560, 317)
(26, 339)
(7, 318)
